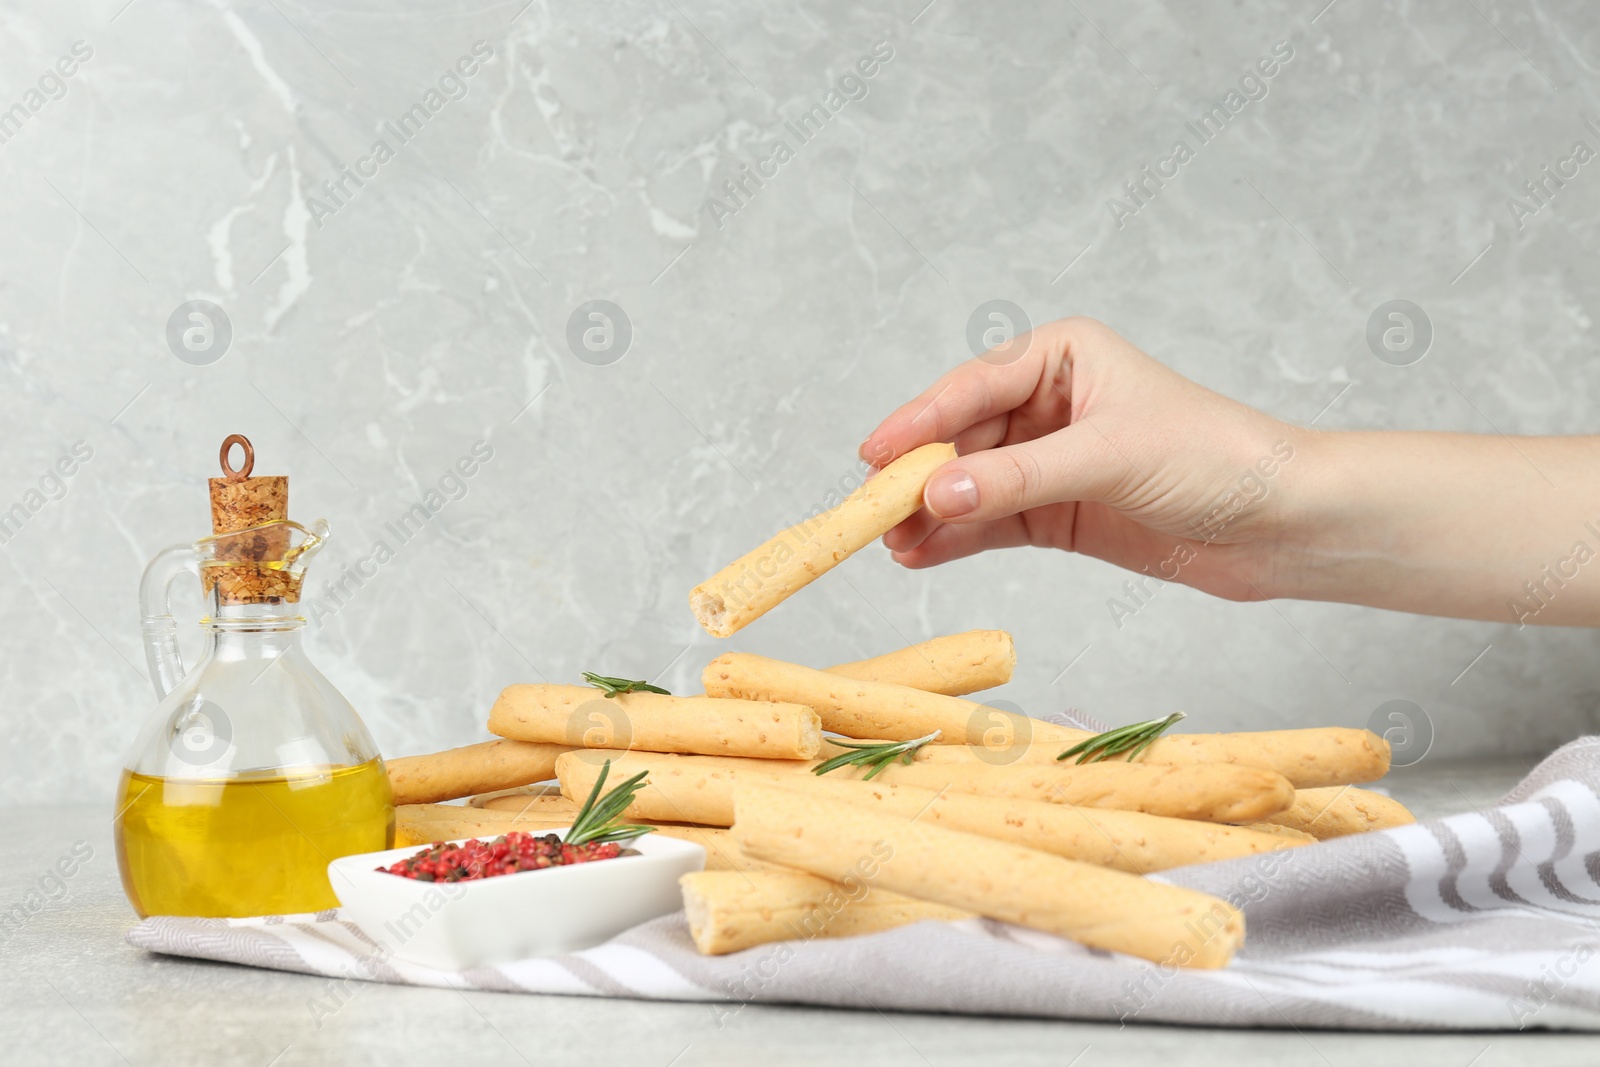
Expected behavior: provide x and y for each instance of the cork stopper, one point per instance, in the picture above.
(243, 568)
(238, 500)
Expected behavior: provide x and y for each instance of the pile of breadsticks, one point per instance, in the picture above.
(977, 816)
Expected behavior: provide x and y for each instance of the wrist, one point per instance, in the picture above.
(1440, 524)
(1317, 544)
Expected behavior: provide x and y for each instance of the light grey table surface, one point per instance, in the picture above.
(74, 992)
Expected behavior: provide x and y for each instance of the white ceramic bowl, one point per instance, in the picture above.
(457, 925)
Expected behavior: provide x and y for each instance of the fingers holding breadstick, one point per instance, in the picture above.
(761, 579)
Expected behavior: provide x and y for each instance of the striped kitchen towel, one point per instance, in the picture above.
(1480, 921)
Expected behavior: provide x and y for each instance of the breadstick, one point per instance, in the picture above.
(1294, 837)
(1208, 792)
(763, 578)
(729, 911)
(555, 806)
(423, 824)
(1342, 810)
(434, 812)
(1220, 794)
(578, 715)
(699, 789)
(1100, 908)
(540, 789)
(952, 665)
(722, 853)
(1309, 758)
(692, 789)
(1122, 840)
(461, 772)
(870, 709)
(974, 732)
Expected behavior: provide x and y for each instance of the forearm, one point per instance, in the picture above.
(1462, 525)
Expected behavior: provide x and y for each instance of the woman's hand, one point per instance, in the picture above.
(1072, 438)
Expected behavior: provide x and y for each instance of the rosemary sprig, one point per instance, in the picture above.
(599, 820)
(613, 686)
(1132, 740)
(867, 754)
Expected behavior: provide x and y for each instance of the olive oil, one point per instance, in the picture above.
(247, 845)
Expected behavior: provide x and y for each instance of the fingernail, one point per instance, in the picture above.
(873, 451)
(951, 494)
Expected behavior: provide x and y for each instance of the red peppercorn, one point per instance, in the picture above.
(510, 854)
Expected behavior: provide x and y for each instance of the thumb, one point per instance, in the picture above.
(1073, 463)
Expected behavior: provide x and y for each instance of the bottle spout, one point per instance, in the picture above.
(259, 564)
(316, 536)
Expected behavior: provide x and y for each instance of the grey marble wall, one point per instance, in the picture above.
(379, 331)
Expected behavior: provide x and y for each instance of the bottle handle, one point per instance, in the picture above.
(159, 628)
